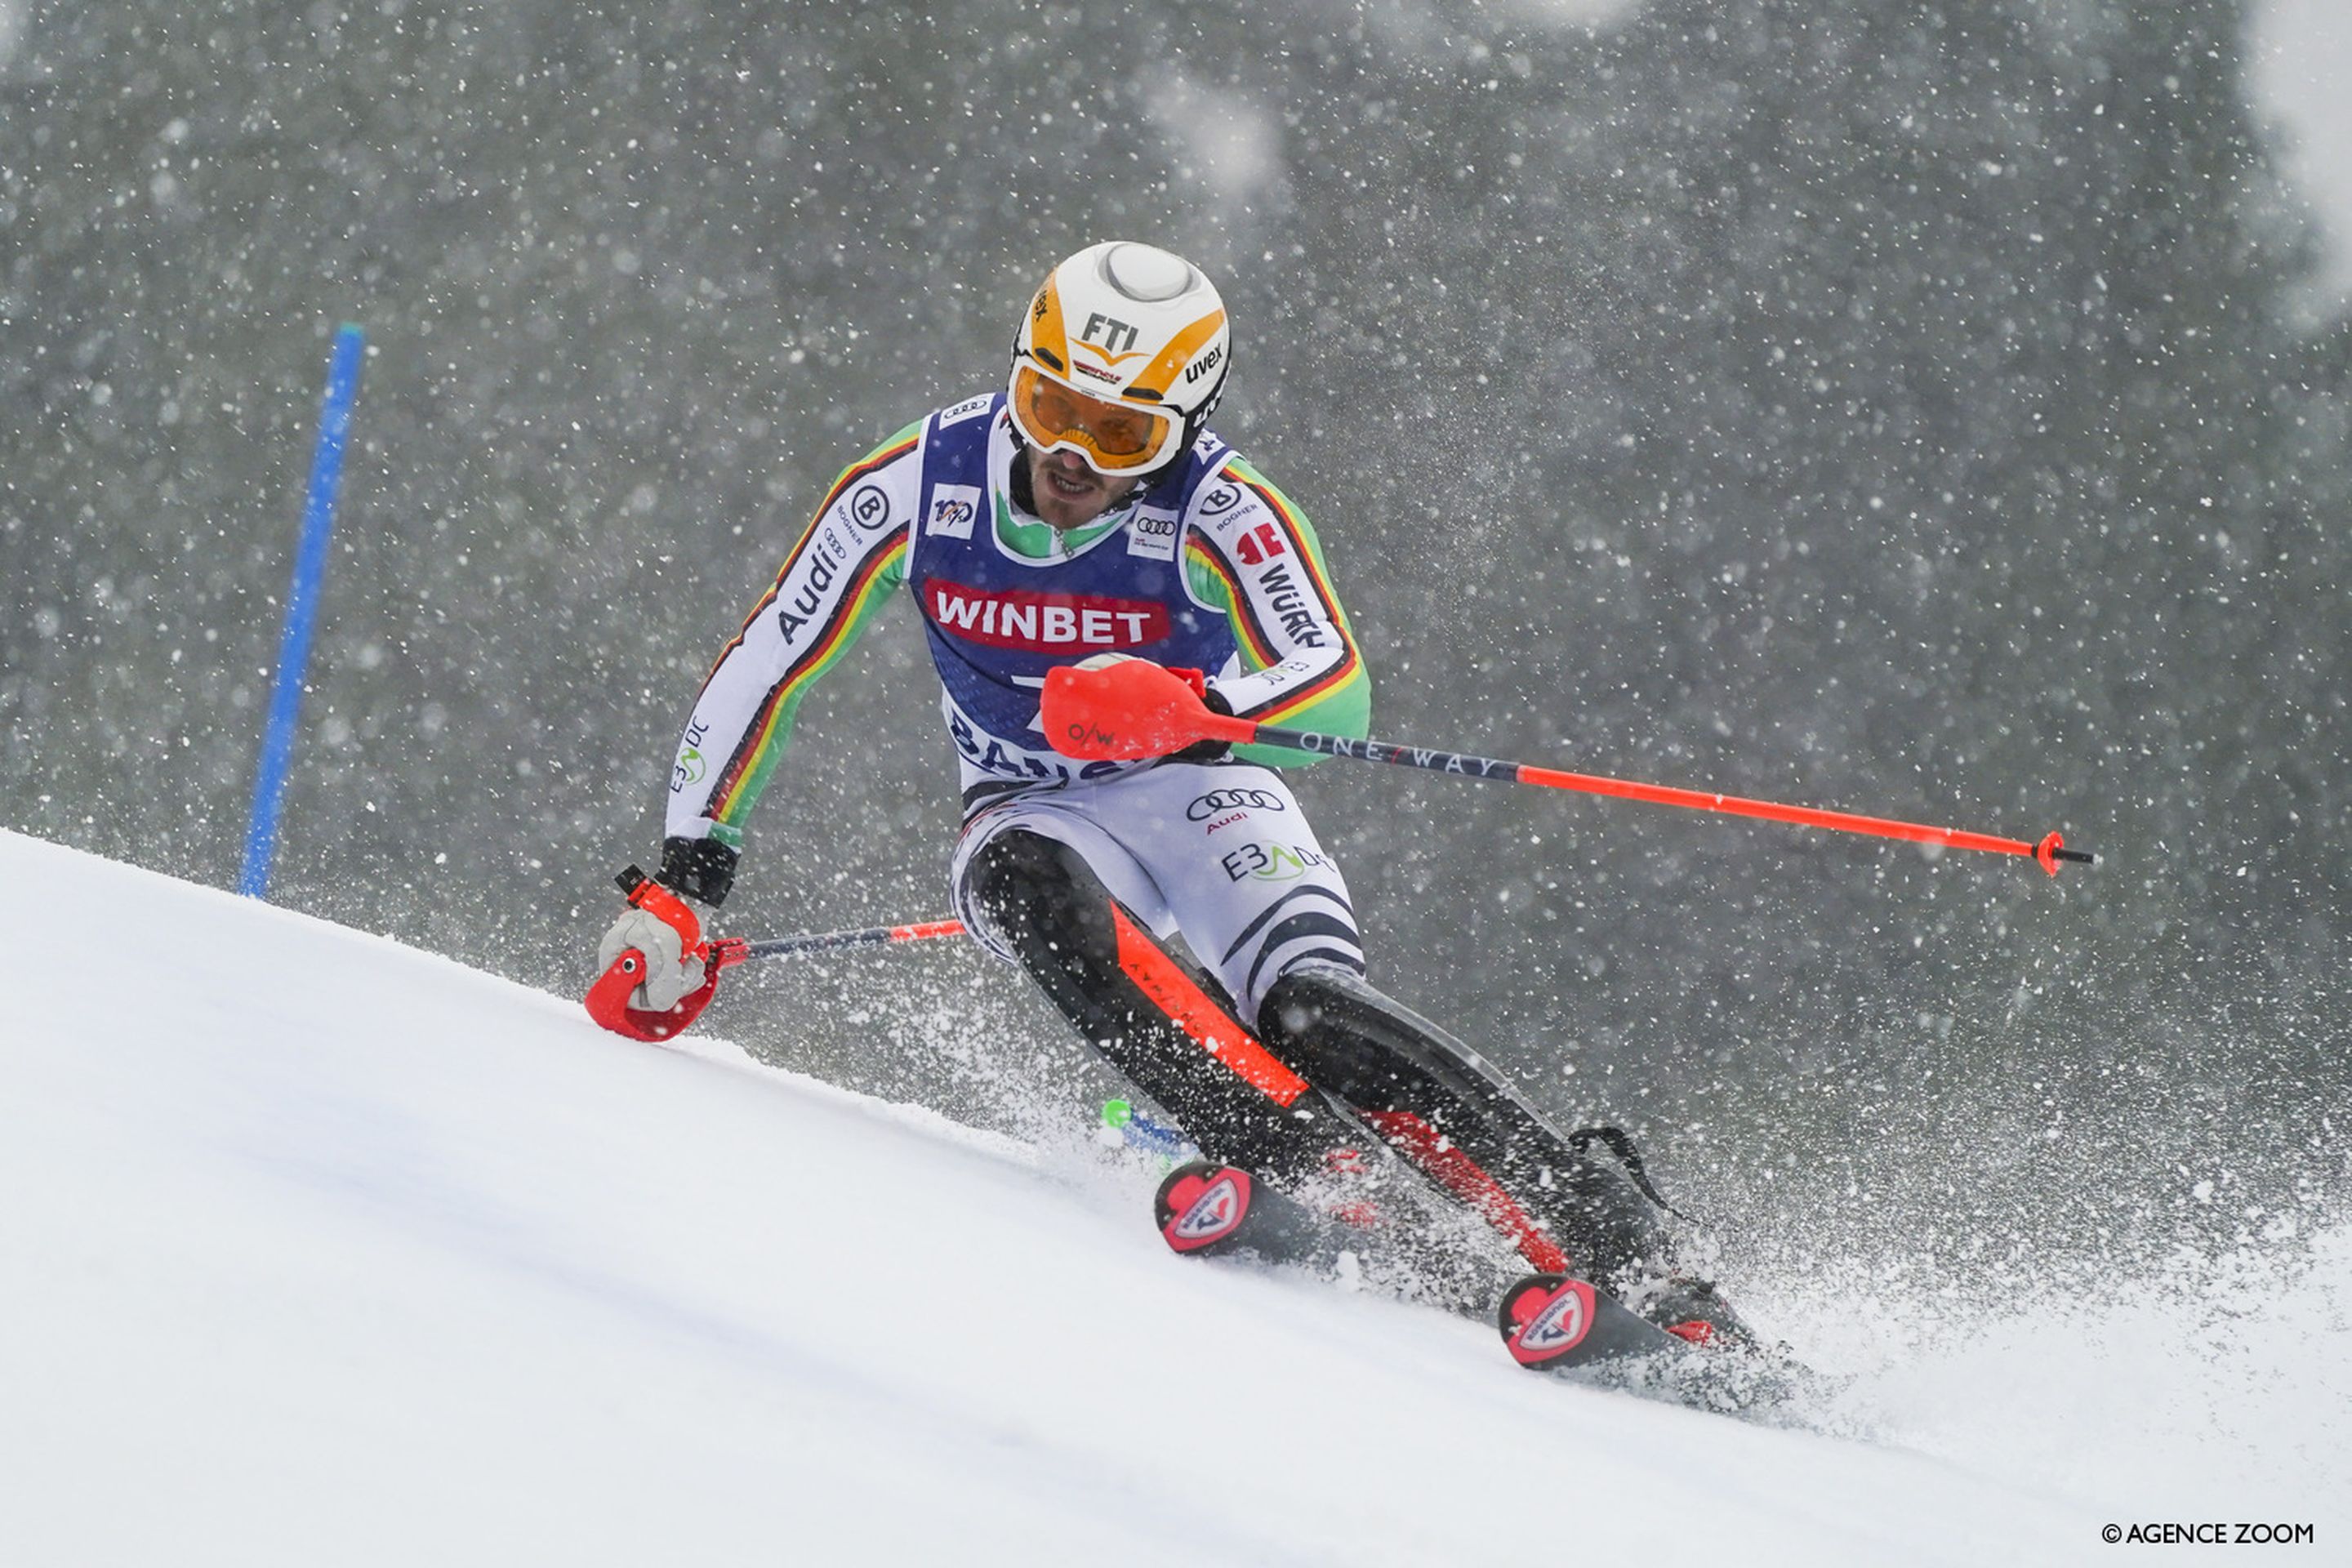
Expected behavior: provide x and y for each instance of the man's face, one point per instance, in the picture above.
(1069, 493)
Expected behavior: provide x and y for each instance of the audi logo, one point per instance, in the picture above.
(1218, 800)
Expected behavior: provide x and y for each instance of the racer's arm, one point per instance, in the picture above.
(835, 579)
(1256, 559)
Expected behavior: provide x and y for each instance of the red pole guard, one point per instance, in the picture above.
(923, 930)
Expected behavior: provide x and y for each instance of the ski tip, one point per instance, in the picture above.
(1201, 1206)
(1545, 1318)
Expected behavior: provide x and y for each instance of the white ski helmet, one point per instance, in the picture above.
(1120, 358)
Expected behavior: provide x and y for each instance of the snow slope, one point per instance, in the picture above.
(315, 1248)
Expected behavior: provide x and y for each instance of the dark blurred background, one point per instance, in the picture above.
(1920, 408)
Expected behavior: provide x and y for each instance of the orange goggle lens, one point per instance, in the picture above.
(1121, 435)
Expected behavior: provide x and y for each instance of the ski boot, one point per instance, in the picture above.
(1690, 1308)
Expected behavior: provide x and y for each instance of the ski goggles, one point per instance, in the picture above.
(1113, 437)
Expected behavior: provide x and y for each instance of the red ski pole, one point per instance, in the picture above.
(608, 999)
(2048, 850)
(726, 951)
(1133, 710)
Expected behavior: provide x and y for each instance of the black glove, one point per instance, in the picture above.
(701, 868)
(1208, 751)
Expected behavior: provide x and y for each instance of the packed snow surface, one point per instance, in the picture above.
(316, 1248)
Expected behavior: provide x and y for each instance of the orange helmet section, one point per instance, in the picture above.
(1049, 339)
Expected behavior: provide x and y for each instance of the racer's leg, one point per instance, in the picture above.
(1463, 1124)
(1427, 1093)
(1257, 898)
(1225, 854)
(1037, 900)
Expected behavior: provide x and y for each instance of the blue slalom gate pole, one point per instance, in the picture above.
(301, 611)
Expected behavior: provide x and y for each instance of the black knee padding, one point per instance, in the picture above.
(1043, 900)
(1338, 1030)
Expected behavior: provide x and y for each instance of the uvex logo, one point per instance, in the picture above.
(1044, 623)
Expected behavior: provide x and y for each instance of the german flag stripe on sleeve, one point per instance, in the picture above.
(1299, 541)
(1307, 696)
(1341, 674)
(899, 445)
(1252, 636)
(746, 771)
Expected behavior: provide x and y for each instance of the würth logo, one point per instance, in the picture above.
(1044, 623)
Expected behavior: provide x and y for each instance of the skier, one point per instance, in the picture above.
(1085, 521)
